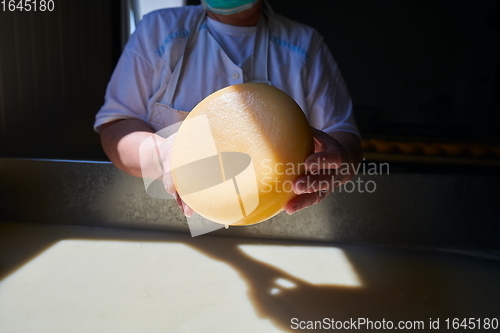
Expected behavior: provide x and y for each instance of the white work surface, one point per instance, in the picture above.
(84, 279)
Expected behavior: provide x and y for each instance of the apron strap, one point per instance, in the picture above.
(259, 63)
(261, 49)
(174, 78)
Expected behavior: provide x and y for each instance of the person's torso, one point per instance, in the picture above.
(212, 63)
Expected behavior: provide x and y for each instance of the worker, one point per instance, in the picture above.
(178, 56)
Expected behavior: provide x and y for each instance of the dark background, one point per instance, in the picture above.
(414, 68)
(423, 68)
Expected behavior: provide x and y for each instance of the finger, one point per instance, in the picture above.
(328, 152)
(304, 201)
(168, 182)
(322, 140)
(165, 150)
(325, 181)
(178, 200)
(185, 209)
(328, 159)
(188, 211)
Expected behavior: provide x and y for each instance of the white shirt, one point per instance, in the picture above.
(237, 42)
(299, 63)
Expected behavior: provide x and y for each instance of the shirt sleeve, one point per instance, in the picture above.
(329, 103)
(130, 85)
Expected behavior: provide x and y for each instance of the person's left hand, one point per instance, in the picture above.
(166, 146)
(322, 172)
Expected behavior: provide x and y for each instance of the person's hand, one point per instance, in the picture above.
(165, 147)
(326, 169)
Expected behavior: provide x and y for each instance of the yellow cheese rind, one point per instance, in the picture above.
(251, 118)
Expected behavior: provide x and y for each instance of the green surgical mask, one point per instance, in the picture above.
(228, 7)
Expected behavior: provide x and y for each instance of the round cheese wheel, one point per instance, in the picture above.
(238, 152)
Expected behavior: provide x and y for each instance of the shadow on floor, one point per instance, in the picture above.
(397, 285)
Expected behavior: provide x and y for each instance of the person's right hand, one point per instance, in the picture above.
(165, 147)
